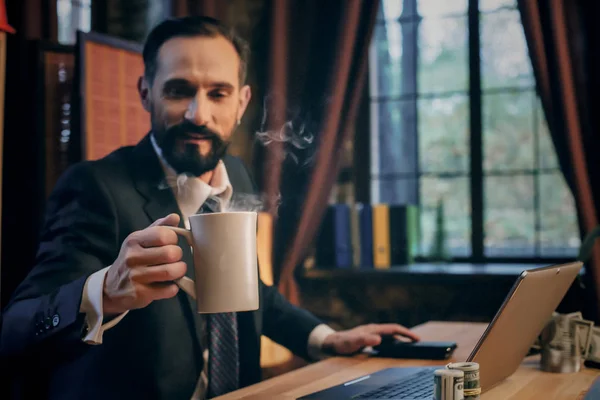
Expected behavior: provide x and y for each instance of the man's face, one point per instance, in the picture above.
(195, 101)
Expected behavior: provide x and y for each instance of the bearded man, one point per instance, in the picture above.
(99, 316)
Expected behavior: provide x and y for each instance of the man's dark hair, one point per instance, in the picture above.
(190, 27)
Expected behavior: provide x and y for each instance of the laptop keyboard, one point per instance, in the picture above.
(417, 386)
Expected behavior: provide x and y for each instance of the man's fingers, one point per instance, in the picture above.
(160, 291)
(164, 273)
(370, 339)
(159, 273)
(169, 220)
(393, 329)
(353, 343)
(154, 255)
(156, 236)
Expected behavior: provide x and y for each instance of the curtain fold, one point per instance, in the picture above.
(33, 19)
(318, 70)
(563, 46)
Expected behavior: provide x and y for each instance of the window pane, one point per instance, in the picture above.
(504, 58)
(63, 11)
(508, 134)
(444, 134)
(394, 66)
(493, 5)
(457, 213)
(436, 8)
(547, 155)
(559, 233)
(396, 190)
(390, 10)
(397, 137)
(72, 16)
(443, 55)
(85, 23)
(509, 216)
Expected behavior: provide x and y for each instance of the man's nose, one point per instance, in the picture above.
(199, 110)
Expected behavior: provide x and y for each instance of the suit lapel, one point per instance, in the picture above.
(150, 180)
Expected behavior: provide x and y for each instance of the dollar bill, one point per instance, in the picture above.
(594, 347)
(582, 329)
(561, 326)
(448, 385)
(553, 333)
(472, 388)
(574, 315)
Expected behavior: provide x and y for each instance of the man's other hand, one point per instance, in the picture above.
(354, 340)
(144, 271)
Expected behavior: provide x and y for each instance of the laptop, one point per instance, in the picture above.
(523, 315)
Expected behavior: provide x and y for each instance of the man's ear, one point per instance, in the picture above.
(245, 94)
(144, 92)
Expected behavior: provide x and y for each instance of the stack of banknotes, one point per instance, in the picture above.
(567, 341)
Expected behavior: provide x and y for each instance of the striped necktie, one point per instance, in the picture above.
(223, 349)
(223, 356)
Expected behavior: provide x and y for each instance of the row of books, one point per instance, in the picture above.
(367, 236)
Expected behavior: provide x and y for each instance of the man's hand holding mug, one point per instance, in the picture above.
(149, 265)
(146, 269)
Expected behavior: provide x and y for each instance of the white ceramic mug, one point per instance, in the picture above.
(225, 263)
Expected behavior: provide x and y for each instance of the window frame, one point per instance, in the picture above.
(79, 18)
(476, 175)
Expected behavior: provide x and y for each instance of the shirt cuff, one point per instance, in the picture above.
(91, 306)
(316, 339)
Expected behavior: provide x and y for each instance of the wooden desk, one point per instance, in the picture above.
(528, 382)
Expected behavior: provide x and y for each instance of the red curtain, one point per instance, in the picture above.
(33, 19)
(318, 63)
(564, 44)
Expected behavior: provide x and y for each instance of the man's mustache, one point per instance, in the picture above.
(185, 129)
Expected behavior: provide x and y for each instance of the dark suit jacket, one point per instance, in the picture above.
(154, 352)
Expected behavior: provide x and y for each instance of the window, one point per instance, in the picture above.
(455, 120)
(73, 15)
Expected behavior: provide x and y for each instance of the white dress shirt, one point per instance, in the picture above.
(190, 193)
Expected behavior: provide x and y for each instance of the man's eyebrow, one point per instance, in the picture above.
(222, 85)
(177, 81)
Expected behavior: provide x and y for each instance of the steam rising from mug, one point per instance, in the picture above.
(296, 138)
(242, 202)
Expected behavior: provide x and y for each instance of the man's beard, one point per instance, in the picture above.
(185, 158)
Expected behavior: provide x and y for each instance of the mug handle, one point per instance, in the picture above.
(186, 284)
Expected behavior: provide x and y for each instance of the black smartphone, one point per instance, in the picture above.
(415, 350)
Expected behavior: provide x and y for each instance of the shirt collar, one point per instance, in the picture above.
(191, 192)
